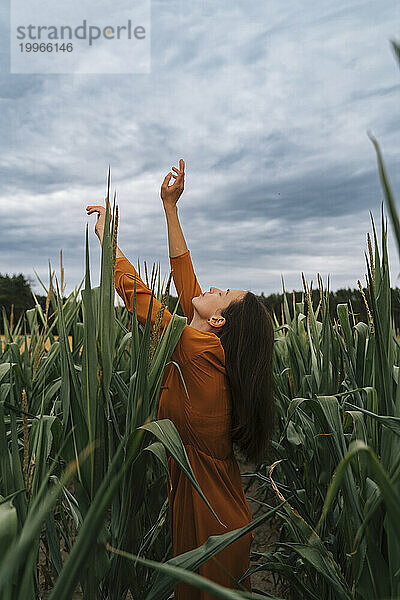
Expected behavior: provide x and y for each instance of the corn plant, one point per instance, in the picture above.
(338, 447)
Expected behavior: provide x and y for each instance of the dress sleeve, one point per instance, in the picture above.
(185, 281)
(125, 275)
(191, 341)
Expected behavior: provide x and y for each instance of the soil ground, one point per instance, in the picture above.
(264, 535)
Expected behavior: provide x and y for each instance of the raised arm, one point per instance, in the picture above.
(125, 275)
(185, 279)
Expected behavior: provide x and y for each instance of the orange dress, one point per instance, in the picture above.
(203, 422)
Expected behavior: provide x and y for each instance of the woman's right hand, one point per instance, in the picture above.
(170, 194)
(101, 218)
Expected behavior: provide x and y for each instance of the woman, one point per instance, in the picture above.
(225, 358)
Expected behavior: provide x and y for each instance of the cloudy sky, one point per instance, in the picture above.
(269, 103)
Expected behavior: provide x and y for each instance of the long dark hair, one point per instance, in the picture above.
(248, 341)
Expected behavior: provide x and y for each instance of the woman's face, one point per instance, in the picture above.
(212, 302)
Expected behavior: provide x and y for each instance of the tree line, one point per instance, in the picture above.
(16, 297)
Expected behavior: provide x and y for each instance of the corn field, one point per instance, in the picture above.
(83, 458)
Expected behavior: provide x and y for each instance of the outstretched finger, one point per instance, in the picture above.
(167, 179)
(182, 165)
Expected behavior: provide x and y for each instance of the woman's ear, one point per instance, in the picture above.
(216, 321)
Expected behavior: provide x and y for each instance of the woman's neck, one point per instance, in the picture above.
(200, 324)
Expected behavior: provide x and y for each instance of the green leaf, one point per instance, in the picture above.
(166, 432)
(8, 526)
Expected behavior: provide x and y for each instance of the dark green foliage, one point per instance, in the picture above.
(15, 290)
(341, 296)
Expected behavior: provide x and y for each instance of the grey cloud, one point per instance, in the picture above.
(383, 91)
(268, 105)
